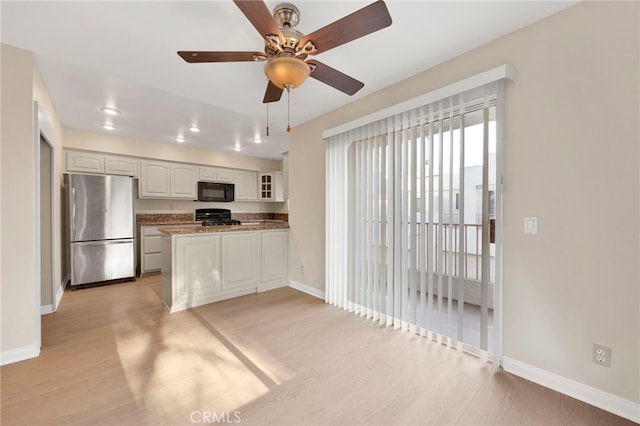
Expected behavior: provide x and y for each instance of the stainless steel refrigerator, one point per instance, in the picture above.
(101, 227)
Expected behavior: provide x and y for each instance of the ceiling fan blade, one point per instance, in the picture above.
(273, 93)
(335, 78)
(365, 21)
(258, 14)
(194, 56)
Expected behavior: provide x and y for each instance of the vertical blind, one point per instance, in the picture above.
(408, 215)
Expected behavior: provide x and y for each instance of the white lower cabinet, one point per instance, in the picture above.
(150, 249)
(202, 268)
(239, 259)
(275, 254)
(199, 273)
(150, 253)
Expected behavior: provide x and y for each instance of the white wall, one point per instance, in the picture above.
(21, 86)
(571, 153)
(19, 327)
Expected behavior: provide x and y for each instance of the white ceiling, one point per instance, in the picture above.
(123, 54)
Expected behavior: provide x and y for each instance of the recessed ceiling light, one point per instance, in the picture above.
(108, 126)
(110, 111)
(180, 139)
(194, 129)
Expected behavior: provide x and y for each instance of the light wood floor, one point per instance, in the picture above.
(114, 355)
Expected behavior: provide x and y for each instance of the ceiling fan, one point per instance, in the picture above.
(286, 50)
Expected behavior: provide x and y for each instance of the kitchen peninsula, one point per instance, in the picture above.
(205, 264)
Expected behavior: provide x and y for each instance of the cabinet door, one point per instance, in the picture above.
(155, 180)
(275, 255)
(197, 264)
(120, 166)
(84, 162)
(246, 185)
(183, 181)
(278, 186)
(265, 187)
(239, 259)
(208, 174)
(150, 249)
(225, 175)
(252, 186)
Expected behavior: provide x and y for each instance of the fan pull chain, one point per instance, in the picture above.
(267, 119)
(288, 107)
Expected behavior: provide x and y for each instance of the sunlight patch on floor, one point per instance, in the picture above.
(192, 371)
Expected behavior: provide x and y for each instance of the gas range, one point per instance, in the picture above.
(216, 217)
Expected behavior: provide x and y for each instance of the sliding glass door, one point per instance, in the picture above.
(411, 207)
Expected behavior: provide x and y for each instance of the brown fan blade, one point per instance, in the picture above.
(335, 78)
(273, 93)
(365, 21)
(258, 14)
(194, 57)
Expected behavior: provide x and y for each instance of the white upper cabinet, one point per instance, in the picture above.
(207, 174)
(183, 181)
(115, 165)
(90, 162)
(226, 175)
(215, 174)
(160, 179)
(84, 162)
(155, 180)
(246, 185)
(270, 186)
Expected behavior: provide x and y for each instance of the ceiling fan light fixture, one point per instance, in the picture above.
(286, 72)
(286, 15)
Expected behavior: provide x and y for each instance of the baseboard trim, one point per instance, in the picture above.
(60, 293)
(46, 309)
(19, 354)
(609, 402)
(307, 289)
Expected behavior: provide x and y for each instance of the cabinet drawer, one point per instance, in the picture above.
(152, 261)
(150, 230)
(152, 244)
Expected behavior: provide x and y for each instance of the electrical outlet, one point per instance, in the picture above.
(601, 355)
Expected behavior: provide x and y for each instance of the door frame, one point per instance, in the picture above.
(43, 130)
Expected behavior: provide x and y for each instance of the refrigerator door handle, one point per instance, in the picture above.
(73, 213)
(103, 242)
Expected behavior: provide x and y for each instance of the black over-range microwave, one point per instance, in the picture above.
(215, 191)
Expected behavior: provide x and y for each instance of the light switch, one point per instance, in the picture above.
(531, 225)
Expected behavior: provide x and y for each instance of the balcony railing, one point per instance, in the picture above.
(447, 246)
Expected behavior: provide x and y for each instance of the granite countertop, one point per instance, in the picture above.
(168, 222)
(256, 225)
(155, 219)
